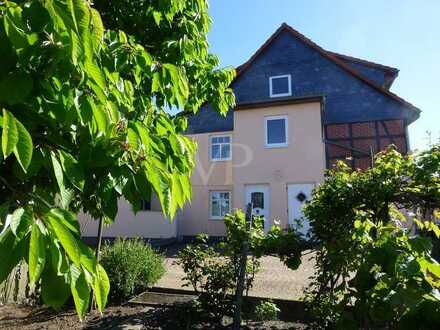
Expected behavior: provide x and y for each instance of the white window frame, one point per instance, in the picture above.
(289, 82)
(286, 128)
(216, 217)
(210, 148)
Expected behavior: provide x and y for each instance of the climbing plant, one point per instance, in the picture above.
(83, 122)
(374, 265)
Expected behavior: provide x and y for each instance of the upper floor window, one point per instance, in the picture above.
(220, 147)
(276, 131)
(280, 85)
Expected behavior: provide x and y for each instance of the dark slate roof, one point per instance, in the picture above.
(354, 89)
(382, 75)
(208, 120)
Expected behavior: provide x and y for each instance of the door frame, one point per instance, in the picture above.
(314, 184)
(265, 188)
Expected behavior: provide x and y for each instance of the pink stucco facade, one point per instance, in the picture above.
(252, 163)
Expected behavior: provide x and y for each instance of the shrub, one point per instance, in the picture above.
(368, 259)
(132, 266)
(266, 311)
(212, 277)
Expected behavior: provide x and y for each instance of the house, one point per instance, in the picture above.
(299, 109)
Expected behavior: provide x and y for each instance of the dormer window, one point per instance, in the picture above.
(280, 86)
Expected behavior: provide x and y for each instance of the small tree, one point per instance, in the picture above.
(367, 258)
(220, 278)
(83, 123)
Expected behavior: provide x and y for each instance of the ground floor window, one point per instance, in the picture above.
(145, 205)
(220, 204)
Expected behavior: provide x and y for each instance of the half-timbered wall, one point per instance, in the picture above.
(354, 142)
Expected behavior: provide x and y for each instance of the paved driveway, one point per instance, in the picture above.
(274, 280)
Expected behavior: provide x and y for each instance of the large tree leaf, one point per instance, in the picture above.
(66, 194)
(11, 251)
(14, 27)
(95, 73)
(80, 291)
(24, 147)
(133, 139)
(101, 287)
(66, 238)
(143, 135)
(68, 219)
(21, 221)
(58, 171)
(88, 259)
(178, 194)
(97, 29)
(99, 116)
(186, 186)
(9, 133)
(55, 291)
(57, 258)
(72, 169)
(37, 254)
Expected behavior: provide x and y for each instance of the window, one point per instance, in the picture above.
(145, 205)
(276, 131)
(220, 204)
(280, 86)
(257, 199)
(220, 147)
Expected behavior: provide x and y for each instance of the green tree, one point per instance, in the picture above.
(83, 123)
(175, 32)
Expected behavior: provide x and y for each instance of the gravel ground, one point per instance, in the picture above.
(274, 280)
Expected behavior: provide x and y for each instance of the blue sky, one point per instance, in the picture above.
(403, 34)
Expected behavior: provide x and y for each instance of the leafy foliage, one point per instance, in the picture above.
(175, 32)
(397, 281)
(213, 271)
(368, 258)
(132, 267)
(83, 123)
(212, 277)
(266, 311)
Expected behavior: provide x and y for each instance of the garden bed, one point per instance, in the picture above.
(121, 317)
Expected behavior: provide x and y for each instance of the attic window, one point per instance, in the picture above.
(280, 86)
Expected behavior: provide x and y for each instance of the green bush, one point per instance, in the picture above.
(212, 276)
(132, 266)
(368, 259)
(266, 311)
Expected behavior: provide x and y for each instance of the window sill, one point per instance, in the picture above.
(272, 146)
(220, 160)
(216, 218)
(280, 95)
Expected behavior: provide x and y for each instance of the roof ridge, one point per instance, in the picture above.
(331, 56)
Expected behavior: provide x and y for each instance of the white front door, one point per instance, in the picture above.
(258, 195)
(297, 195)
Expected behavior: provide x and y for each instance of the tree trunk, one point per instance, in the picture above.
(242, 274)
(240, 286)
(98, 249)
